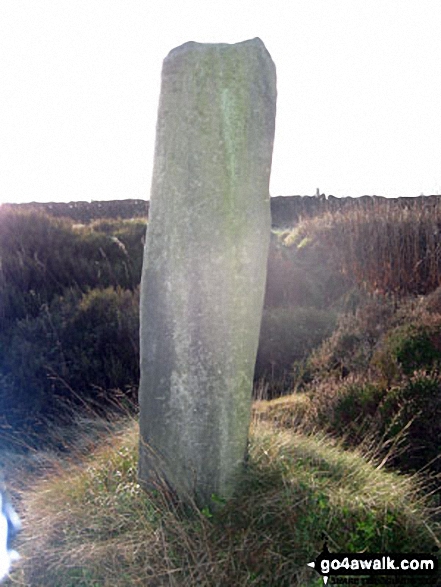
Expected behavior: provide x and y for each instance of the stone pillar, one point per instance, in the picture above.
(204, 267)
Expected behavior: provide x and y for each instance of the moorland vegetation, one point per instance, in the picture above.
(346, 429)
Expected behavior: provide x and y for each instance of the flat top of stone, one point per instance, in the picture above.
(192, 46)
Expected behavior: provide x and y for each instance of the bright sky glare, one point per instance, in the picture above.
(359, 86)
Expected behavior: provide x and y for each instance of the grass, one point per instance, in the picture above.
(88, 524)
(390, 246)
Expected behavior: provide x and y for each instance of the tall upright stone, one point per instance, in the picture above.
(205, 265)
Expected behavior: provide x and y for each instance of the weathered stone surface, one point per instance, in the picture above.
(205, 265)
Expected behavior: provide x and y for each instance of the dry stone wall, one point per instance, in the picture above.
(285, 210)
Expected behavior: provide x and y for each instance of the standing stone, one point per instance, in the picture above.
(205, 266)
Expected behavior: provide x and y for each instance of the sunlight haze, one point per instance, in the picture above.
(359, 86)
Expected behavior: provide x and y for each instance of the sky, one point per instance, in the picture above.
(358, 109)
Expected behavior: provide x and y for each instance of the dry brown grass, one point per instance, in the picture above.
(386, 246)
(89, 524)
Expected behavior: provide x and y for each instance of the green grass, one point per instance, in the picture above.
(88, 523)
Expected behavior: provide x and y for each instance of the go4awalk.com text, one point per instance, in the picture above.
(368, 569)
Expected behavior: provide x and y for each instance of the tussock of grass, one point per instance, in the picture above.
(91, 525)
(286, 411)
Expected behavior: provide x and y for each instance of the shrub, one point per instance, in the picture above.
(351, 346)
(357, 410)
(376, 378)
(400, 425)
(33, 268)
(354, 412)
(345, 409)
(129, 236)
(288, 335)
(42, 257)
(100, 342)
(415, 406)
(75, 352)
(409, 347)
